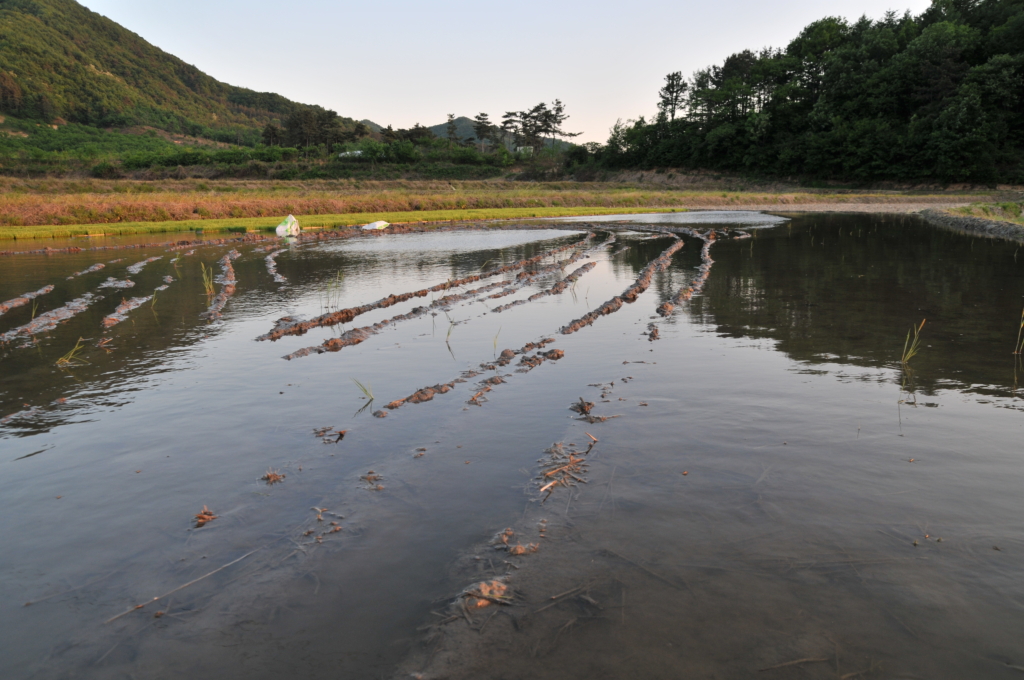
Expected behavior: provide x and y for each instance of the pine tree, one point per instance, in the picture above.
(670, 97)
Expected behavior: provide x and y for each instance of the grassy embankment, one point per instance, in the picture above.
(244, 224)
(1000, 212)
(62, 208)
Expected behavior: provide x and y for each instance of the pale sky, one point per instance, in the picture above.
(398, 62)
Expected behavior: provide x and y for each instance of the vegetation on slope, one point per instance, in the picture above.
(59, 61)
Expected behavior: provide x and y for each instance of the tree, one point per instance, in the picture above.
(312, 126)
(272, 135)
(528, 128)
(452, 131)
(417, 134)
(512, 125)
(553, 119)
(483, 128)
(11, 94)
(670, 97)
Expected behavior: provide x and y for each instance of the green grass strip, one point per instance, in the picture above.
(244, 224)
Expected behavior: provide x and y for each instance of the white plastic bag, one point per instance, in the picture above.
(290, 227)
(379, 224)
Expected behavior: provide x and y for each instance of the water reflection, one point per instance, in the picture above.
(845, 289)
(805, 527)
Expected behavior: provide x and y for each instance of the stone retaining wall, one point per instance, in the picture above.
(975, 226)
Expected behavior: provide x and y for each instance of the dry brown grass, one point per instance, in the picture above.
(65, 202)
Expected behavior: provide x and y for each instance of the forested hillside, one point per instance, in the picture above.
(936, 98)
(59, 60)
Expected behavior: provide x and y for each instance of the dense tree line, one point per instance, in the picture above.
(935, 97)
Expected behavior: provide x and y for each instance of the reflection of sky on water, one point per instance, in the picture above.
(746, 218)
(446, 242)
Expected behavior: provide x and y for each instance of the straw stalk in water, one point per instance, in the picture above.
(911, 346)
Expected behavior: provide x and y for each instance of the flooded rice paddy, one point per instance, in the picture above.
(674, 446)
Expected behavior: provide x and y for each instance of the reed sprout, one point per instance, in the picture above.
(365, 389)
(72, 358)
(331, 293)
(912, 345)
(1019, 347)
(207, 278)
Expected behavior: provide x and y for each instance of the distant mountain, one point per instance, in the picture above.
(58, 59)
(465, 128)
(462, 124)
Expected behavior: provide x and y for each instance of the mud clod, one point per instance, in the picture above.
(486, 593)
(272, 477)
(24, 299)
(204, 517)
(629, 295)
(582, 407)
(347, 315)
(523, 549)
(49, 320)
(227, 281)
(121, 313)
(138, 266)
(272, 265)
(531, 362)
(95, 268)
(697, 284)
(111, 282)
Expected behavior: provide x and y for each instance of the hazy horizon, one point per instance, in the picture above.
(401, 63)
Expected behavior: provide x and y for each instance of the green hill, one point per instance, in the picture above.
(59, 60)
(462, 124)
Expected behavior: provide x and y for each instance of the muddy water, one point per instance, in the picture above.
(800, 532)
